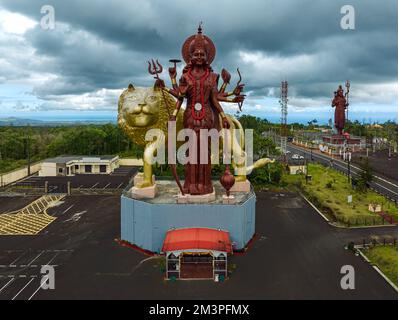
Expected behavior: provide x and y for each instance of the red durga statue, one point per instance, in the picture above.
(199, 86)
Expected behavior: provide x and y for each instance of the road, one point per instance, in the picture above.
(381, 185)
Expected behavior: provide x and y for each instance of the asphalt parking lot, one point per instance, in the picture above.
(9, 204)
(296, 255)
(116, 180)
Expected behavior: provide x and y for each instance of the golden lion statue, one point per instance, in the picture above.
(141, 109)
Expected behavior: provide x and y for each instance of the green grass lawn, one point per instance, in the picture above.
(329, 190)
(386, 258)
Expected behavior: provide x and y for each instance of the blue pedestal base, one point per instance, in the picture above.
(145, 223)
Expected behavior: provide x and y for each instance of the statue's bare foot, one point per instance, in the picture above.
(240, 178)
(144, 184)
(193, 190)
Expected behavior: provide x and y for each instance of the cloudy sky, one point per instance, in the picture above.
(78, 69)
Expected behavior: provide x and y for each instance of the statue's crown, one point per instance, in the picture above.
(199, 43)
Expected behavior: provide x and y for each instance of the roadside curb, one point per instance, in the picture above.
(377, 269)
(315, 208)
(362, 227)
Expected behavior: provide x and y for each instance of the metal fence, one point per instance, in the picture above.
(375, 241)
(365, 221)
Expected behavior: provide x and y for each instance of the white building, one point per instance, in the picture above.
(72, 165)
(296, 166)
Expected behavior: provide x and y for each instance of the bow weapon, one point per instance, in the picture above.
(240, 104)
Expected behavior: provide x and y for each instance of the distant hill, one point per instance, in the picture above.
(13, 121)
(19, 122)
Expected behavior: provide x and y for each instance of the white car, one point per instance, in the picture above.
(297, 157)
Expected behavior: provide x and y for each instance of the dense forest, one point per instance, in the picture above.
(19, 144)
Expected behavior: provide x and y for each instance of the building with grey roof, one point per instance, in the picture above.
(72, 165)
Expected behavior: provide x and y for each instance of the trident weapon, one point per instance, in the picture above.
(347, 85)
(154, 69)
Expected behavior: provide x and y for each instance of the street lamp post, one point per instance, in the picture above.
(349, 166)
(27, 146)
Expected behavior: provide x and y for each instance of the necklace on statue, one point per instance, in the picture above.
(197, 108)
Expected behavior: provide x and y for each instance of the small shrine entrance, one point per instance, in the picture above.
(197, 253)
(196, 266)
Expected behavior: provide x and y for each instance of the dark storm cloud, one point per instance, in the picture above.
(105, 44)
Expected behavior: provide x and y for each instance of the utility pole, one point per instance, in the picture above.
(283, 102)
(28, 149)
(389, 149)
(349, 166)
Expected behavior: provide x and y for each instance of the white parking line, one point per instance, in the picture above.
(94, 185)
(106, 186)
(119, 185)
(37, 290)
(6, 285)
(22, 254)
(68, 209)
(23, 288)
(53, 258)
(35, 258)
(44, 279)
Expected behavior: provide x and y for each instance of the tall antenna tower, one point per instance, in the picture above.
(283, 102)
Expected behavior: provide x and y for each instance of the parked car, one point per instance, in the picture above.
(297, 157)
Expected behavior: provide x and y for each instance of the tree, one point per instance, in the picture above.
(366, 175)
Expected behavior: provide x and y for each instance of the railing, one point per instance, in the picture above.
(363, 221)
(374, 242)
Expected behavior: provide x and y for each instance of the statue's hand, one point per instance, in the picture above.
(225, 75)
(172, 72)
(159, 83)
(225, 123)
(238, 89)
(262, 162)
(239, 98)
